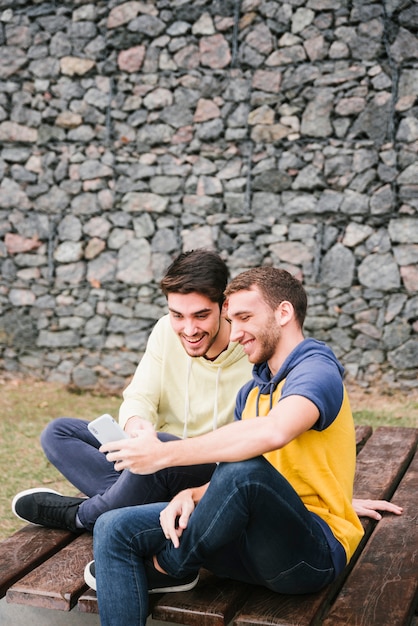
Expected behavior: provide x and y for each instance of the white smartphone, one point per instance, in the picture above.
(106, 429)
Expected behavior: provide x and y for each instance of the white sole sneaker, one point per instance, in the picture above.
(88, 576)
(28, 492)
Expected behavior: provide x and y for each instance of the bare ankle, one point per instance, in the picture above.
(157, 565)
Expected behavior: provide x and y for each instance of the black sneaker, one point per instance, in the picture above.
(164, 583)
(45, 507)
(157, 581)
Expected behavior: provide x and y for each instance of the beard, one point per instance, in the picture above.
(267, 341)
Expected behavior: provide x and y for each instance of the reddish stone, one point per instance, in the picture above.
(267, 81)
(131, 60)
(206, 110)
(16, 243)
(183, 135)
(215, 52)
(409, 275)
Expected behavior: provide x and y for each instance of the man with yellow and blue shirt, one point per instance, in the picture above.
(278, 510)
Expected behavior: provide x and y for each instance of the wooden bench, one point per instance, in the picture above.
(44, 568)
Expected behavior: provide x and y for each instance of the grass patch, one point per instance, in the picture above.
(25, 410)
(389, 418)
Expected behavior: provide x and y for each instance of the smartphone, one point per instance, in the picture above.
(106, 429)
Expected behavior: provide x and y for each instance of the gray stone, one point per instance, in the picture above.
(149, 25)
(292, 252)
(379, 271)
(102, 269)
(118, 237)
(59, 339)
(68, 252)
(406, 356)
(338, 267)
(396, 334)
(316, 118)
(84, 378)
(403, 230)
(69, 228)
(134, 262)
(355, 234)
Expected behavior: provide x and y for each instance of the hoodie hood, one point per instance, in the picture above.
(303, 373)
(305, 350)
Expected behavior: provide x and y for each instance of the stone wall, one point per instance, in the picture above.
(281, 133)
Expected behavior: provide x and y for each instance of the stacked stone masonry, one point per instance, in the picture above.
(276, 132)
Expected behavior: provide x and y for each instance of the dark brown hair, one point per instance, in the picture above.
(201, 271)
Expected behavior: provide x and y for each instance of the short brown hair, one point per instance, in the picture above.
(197, 271)
(276, 286)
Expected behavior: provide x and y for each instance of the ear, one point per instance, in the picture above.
(285, 313)
(224, 309)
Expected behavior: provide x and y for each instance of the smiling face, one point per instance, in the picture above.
(253, 325)
(198, 322)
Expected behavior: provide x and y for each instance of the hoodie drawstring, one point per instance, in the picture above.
(187, 399)
(215, 404)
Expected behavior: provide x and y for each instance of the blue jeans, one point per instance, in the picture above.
(74, 451)
(250, 526)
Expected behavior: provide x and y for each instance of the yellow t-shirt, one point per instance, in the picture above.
(320, 465)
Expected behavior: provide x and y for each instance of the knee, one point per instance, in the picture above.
(104, 525)
(103, 532)
(113, 530)
(55, 430)
(49, 433)
(243, 471)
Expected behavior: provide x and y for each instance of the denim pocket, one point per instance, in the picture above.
(302, 578)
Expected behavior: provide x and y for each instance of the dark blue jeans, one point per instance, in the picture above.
(250, 525)
(71, 448)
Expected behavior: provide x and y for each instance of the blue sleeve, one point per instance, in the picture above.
(318, 379)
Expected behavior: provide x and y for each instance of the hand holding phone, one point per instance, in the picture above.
(106, 429)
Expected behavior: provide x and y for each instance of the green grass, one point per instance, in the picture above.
(27, 407)
(25, 410)
(387, 418)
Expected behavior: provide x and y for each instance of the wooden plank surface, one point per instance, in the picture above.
(380, 465)
(363, 433)
(26, 549)
(58, 582)
(383, 587)
(213, 602)
(383, 460)
(87, 602)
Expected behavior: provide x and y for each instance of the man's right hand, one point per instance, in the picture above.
(136, 423)
(175, 517)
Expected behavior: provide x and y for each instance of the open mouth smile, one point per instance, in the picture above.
(247, 345)
(193, 341)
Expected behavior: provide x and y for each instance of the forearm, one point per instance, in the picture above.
(234, 442)
(238, 441)
(245, 439)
